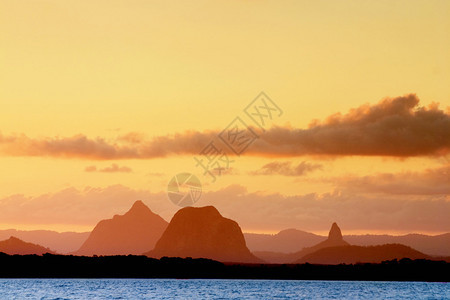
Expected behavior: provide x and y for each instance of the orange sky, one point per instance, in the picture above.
(102, 102)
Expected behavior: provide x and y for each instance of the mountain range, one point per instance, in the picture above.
(285, 241)
(61, 242)
(291, 240)
(334, 240)
(202, 232)
(335, 250)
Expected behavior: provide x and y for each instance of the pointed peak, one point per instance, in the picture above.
(139, 205)
(335, 232)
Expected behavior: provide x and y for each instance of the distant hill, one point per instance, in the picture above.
(334, 239)
(202, 232)
(292, 240)
(135, 232)
(360, 254)
(437, 245)
(14, 245)
(335, 249)
(275, 257)
(286, 241)
(61, 242)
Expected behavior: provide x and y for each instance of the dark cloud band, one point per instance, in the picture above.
(396, 127)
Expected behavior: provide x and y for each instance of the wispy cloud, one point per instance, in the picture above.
(429, 182)
(252, 210)
(316, 211)
(114, 168)
(287, 168)
(397, 127)
(75, 206)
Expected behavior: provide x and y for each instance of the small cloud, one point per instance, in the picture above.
(287, 169)
(225, 171)
(91, 169)
(132, 137)
(117, 129)
(156, 174)
(114, 168)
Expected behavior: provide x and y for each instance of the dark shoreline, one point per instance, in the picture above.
(67, 266)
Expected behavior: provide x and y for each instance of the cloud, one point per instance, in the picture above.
(315, 212)
(114, 168)
(393, 127)
(429, 182)
(396, 127)
(132, 137)
(91, 169)
(155, 174)
(252, 210)
(78, 146)
(73, 206)
(287, 169)
(225, 171)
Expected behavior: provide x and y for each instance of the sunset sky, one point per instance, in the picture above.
(103, 102)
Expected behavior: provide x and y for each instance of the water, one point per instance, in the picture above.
(217, 289)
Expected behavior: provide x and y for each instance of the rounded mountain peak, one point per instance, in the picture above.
(202, 232)
(205, 210)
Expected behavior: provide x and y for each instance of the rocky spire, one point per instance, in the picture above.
(335, 233)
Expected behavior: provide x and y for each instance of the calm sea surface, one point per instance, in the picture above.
(216, 289)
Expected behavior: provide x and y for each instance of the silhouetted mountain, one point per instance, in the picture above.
(360, 254)
(202, 232)
(292, 240)
(285, 241)
(334, 239)
(132, 233)
(15, 246)
(61, 242)
(438, 245)
(335, 235)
